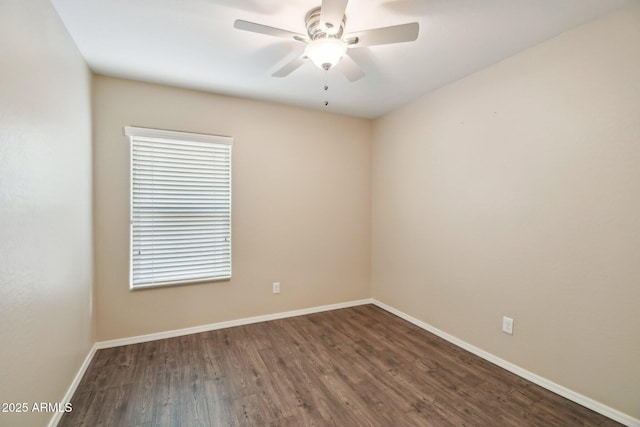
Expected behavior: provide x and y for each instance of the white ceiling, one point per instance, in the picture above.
(192, 44)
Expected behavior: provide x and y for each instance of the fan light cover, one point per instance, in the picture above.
(326, 52)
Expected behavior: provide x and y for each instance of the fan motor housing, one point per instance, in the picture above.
(317, 30)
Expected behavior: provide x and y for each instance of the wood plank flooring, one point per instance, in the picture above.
(359, 366)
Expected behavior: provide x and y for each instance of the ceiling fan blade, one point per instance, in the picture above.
(350, 69)
(290, 66)
(269, 31)
(386, 35)
(331, 14)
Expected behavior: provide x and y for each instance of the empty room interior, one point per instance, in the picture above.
(435, 224)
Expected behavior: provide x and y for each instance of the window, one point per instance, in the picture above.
(180, 207)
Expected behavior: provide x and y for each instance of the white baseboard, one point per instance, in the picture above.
(55, 419)
(580, 399)
(228, 324)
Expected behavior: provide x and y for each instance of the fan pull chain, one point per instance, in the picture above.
(326, 88)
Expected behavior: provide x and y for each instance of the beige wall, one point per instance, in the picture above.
(516, 191)
(46, 327)
(301, 208)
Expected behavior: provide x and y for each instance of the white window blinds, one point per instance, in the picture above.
(180, 207)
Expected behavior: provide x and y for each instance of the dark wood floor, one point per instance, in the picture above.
(359, 366)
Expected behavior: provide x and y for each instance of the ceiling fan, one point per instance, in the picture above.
(326, 41)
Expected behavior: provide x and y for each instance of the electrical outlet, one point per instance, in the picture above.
(276, 287)
(507, 325)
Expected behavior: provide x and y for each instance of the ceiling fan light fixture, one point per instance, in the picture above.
(326, 52)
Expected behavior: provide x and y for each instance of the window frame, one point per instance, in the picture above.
(148, 134)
